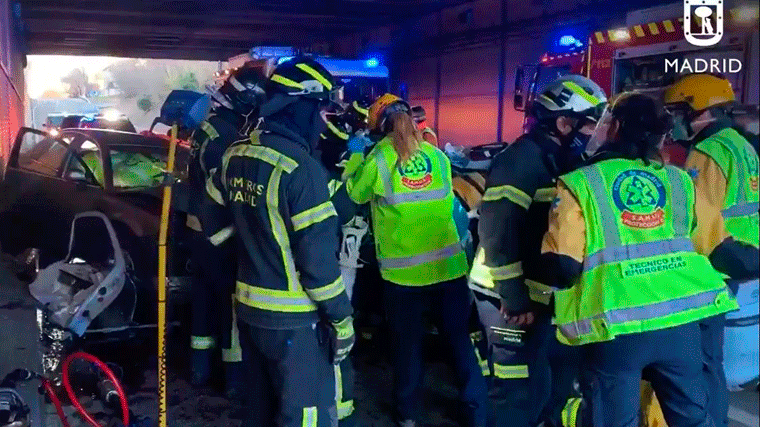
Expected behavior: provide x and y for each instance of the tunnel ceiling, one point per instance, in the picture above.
(202, 29)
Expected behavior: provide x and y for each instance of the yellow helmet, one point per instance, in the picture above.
(378, 111)
(700, 92)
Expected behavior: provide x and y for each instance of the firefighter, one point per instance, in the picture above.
(408, 185)
(420, 118)
(532, 374)
(724, 167)
(271, 193)
(634, 249)
(236, 103)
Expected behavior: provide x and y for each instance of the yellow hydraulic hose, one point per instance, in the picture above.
(162, 237)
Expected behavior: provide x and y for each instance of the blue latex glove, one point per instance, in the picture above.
(358, 143)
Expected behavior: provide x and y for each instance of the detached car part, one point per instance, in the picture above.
(76, 290)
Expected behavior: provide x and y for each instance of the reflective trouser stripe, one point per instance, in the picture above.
(438, 254)
(201, 343)
(344, 408)
(744, 209)
(222, 235)
(615, 254)
(513, 194)
(274, 300)
(646, 312)
(235, 352)
(309, 417)
(393, 198)
(570, 412)
(508, 372)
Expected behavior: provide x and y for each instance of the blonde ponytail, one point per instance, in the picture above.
(405, 136)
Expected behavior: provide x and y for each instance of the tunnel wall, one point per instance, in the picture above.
(450, 62)
(12, 93)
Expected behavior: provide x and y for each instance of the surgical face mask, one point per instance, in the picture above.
(680, 130)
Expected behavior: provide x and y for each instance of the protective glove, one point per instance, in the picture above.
(343, 340)
(358, 143)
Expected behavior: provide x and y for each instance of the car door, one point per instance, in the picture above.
(27, 209)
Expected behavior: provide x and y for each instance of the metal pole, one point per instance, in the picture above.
(502, 71)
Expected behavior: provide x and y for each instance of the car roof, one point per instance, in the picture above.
(110, 137)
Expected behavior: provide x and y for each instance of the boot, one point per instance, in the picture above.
(201, 366)
(234, 381)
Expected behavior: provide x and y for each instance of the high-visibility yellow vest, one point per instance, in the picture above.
(739, 162)
(640, 272)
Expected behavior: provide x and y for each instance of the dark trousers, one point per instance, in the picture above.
(670, 359)
(450, 302)
(532, 383)
(214, 272)
(715, 377)
(290, 378)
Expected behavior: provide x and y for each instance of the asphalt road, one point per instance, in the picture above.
(190, 407)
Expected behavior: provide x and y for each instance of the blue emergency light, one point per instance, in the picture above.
(372, 63)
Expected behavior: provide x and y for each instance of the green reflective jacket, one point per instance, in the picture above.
(640, 272)
(412, 214)
(739, 162)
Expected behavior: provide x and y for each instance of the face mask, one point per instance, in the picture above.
(579, 143)
(680, 130)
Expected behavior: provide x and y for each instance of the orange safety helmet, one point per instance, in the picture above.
(382, 108)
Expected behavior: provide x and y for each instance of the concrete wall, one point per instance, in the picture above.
(12, 96)
(463, 45)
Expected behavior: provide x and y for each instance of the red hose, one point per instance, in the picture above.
(106, 370)
(56, 402)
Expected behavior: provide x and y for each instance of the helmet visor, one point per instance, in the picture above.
(601, 131)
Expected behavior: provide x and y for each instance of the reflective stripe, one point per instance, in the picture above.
(744, 209)
(222, 235)
(212, 191)
(614, 254)
(507, 372)
(345, 409)
(545, 194)
(513, 194)
(596, 182)
(570, 412)
(641, 313)
(679, 207)
(582, 93)
(193, 223)
(285, 81)
(334, 185)
(507, 272)
(326, 292)
(309, 417)
(438, 254)
(361, 110)
(314, 73)
(211, 134)
(260, 152)
(339, 133)
(393, 198)
(274, 300)
(236, 84)
(201, 343)
(312, 216)
(278, 228)
(233, 354)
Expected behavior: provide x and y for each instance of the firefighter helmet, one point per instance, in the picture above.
(303, 76)
(242, 91)
(382, 109)
(572, 96)
(699, 92)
